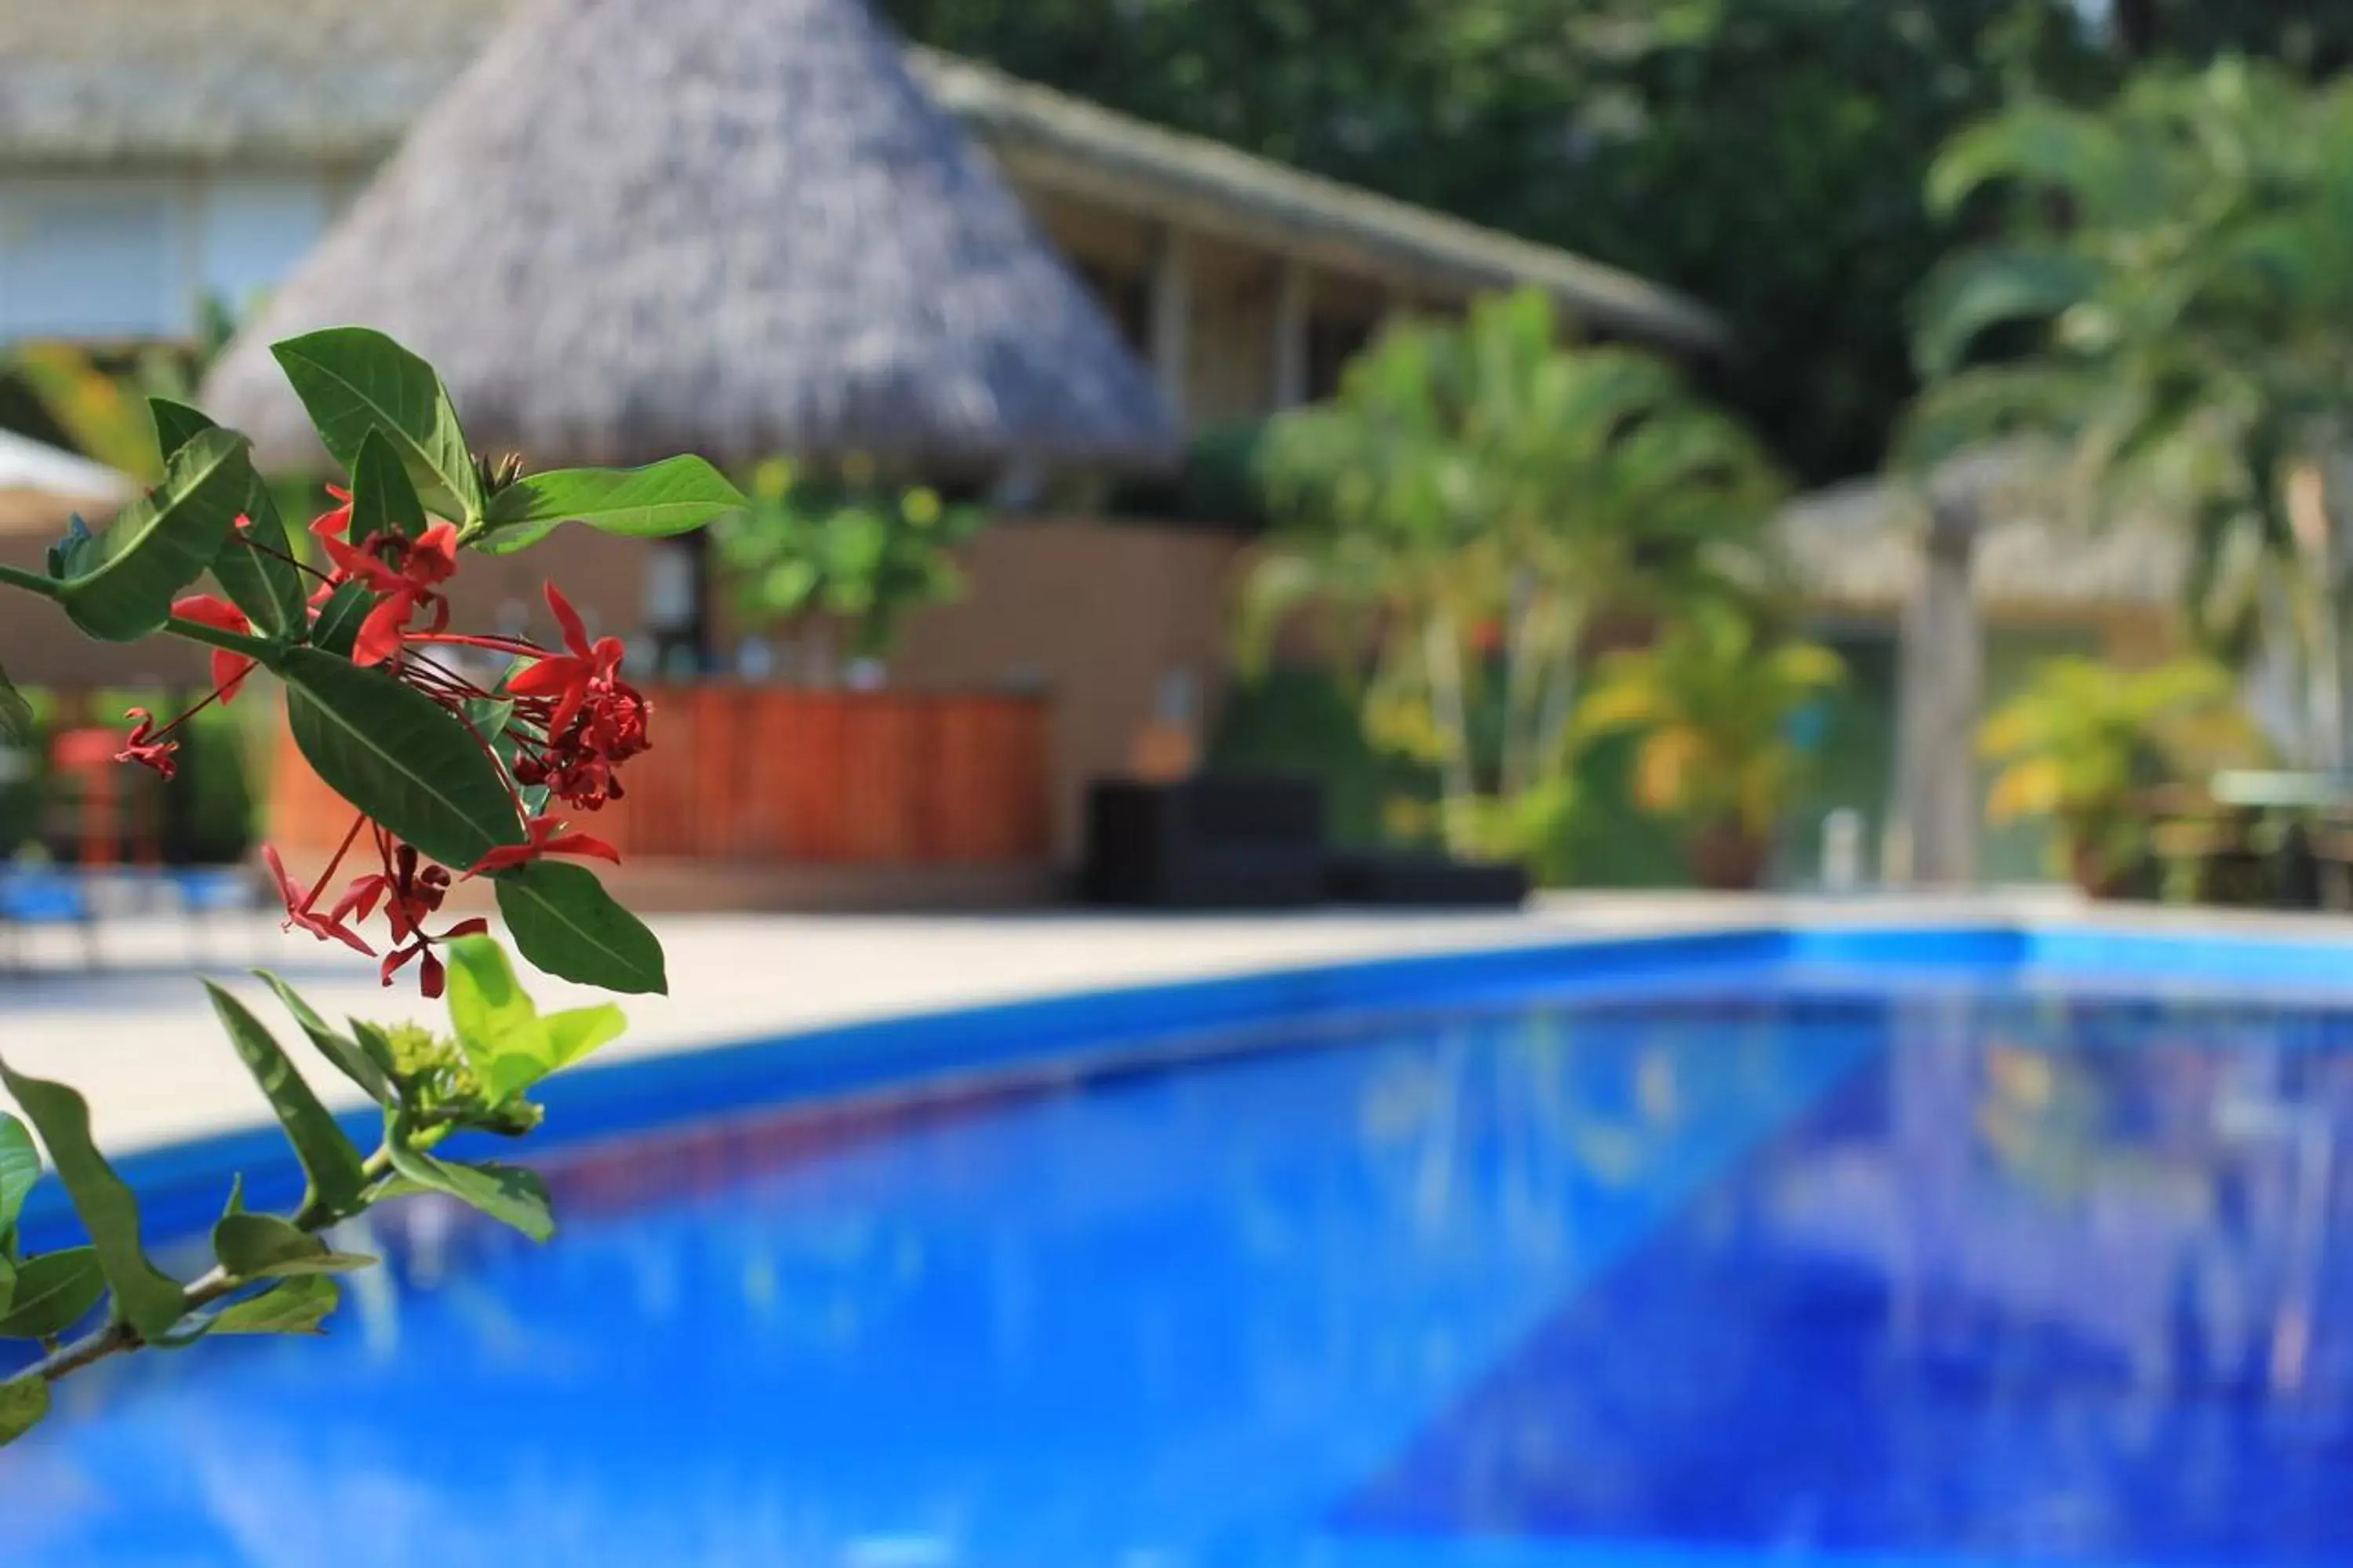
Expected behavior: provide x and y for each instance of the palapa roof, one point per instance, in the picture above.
(732, 227)
(304, 82)
(1858, 545)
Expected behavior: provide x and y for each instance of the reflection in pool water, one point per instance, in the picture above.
(1932, 1278)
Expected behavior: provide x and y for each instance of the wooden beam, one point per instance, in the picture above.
(1172, 319)
(1292, 312)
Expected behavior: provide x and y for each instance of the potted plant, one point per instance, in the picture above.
(2083, 744)
(1714, 702)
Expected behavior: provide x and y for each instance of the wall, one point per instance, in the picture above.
(1097, 614)
(128, 254)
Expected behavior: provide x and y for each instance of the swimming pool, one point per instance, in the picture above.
(1925, 1253)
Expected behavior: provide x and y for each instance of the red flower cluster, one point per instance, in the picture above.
(405, 574)
(596, 722)
(573, 721)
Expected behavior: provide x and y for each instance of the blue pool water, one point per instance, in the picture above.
(1775, 1275)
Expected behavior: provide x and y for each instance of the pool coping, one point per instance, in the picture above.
(1069, 1033)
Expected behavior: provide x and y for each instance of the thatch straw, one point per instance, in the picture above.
(1858, 545)
(732, 227)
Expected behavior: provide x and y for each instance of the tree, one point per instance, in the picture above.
(1763, 155)
(1714, 702)
(1478, 495)
(2083, 742)
(2169, 302)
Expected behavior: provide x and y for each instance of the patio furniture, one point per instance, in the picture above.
(43, 896)
(1424, 880)
(1206, 842)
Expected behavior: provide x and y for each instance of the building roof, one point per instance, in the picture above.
(338, 82)
(1858, 545)
(732, 227)
(40, 486)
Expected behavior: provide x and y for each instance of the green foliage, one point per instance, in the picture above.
(398, 756)
(15, 713)
(564, 922)
(383, 499)
(254, 569)
(354, 381)
(54, 1292)
(2084, 740)
(864, 555)
(1713, 701)
(2169, 309)
(121, 588)
(1763, 156)
(506, 1041)
(345, 1054)
(330, 1163)
(297, 1306)
(263, 1247)
(23, 1403)
(1479, 487)
(429, 761)
(146, 1298)
(675, 496)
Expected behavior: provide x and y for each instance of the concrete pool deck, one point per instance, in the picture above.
(137, 1038)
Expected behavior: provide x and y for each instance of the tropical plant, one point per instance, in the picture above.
(1473, 499)
(104, 411)
(2170, 303)
(1714, 702)
(451, 782)
(853, 550)
(2083, 742)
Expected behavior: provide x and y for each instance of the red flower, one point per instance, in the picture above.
(146, 747)
(546, 838)
(229, 670)
(405, 572)
(336, 520)
(432, 978)
(299, 910)
(570, 680)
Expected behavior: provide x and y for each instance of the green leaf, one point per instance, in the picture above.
(580, 1032)
(293, 1306)
(346, 1055)
(354, 380)
(161, 542)
(23, 1401)
(506, 1041)
(1978, 290)
(150, 1301)
(375, 1045)
(383, 499)
(398, 756)
(17, 725)
(337, 628)
(7, 1284)
(254, 569)
(20, 1167)
(329, 1160)
(674, 496)
(263, 1247)
(564, 922)
(507, 1193)
(54, 1292)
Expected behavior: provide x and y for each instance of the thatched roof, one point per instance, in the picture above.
(1857, 546)
(306, 82)
(293, 82)
(732, 227)
(41, 487)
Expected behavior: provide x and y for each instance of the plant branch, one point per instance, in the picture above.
(259, 647)
(118, 1337)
